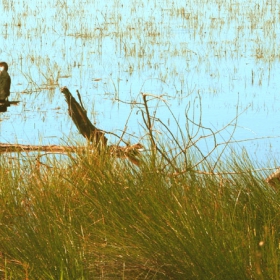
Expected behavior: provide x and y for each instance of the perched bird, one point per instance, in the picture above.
(5, 82)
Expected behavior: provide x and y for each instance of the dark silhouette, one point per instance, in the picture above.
(5, 82)
(79, 116)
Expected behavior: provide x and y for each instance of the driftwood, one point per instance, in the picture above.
(131, 153)
(79, 116)
(12, 148)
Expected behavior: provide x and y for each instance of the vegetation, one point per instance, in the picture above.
(181, 213)
(95, 217)
(193, 208)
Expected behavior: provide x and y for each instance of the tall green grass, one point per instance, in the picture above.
(94, 217)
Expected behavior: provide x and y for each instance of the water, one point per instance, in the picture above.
(220, 55)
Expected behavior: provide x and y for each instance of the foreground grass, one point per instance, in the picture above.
(98, 218)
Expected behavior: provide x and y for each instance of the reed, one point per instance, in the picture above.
(94, 217)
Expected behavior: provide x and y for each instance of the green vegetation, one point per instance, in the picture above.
(96, 217)
(190, 210)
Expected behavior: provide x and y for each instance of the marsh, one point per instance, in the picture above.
(220, 59)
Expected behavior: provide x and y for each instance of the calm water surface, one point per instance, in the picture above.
(219, 58)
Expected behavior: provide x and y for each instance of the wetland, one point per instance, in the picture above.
(197, 84)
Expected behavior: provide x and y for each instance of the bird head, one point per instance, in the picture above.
(3, 66)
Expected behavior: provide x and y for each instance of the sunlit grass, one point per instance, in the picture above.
(93, 217)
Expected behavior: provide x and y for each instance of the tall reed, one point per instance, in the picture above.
(94, 217)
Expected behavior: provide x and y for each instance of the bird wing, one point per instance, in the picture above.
(5, 84)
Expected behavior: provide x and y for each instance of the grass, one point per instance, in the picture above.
(100, 218)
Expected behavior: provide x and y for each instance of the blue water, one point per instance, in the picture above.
(218, 60)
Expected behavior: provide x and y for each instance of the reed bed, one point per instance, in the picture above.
(91, 216)
(94, 217)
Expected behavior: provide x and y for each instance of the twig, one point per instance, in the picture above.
(148, 122)
(80, 99)
(150, 131)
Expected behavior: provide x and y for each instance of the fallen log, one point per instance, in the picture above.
(13, 148)
(131, 153)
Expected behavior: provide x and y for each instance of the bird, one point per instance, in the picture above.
(5, 82)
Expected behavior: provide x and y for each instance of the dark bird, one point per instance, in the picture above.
(5, 82)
